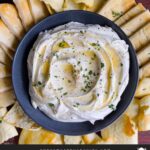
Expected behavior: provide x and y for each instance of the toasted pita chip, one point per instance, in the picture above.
(18, 118)
(8, 51)
(144, 114)
(71, 5)
(88, 3)
(144, 71)
(24, 13)
(5, 84)
(101, 141)
(123, 131)
(5, 71)
(141, 37)
(6, 37)
(137, 22)
(39, 137)
(9, 15)
(73, 139)
(90, 138)
(114, 9)
(56, 5)
(51, 11)
(2, 112)
(4, 57)
(38, 10)
(139, 8)
(7, 98)
(133, 110)
(7, 131)
(144, 55)
(143, 88)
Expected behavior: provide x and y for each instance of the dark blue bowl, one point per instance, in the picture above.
(21, 82)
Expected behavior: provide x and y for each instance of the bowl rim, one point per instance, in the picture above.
(60, 131)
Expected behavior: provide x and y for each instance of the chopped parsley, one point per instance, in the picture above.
(111, 106)
(102, 65)
(59, 89)
(116, 14)
(0, 121)
(65, 93)
(51, 105)
(76, 105)
(121, 64)
(38, 84)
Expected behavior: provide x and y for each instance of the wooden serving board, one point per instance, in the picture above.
(144, 137)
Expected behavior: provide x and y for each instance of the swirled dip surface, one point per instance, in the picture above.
(78, 72)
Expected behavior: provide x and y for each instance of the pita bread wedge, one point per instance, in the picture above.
(7, 98)
(4, 57)
(88, 3)
(6, 37)
(101, 141)
(8, 51)
(18, 118)
(7, 131)
(139, 8)
(24, 13)
(145, 71)
(144, 55)
(56, 5)
(97, 6)
(5, 84)
(123, 131)
(50, 10)
(143, 88)
(114, 9)
(38, 10)
(90, 138)
(39, 137)
(2, 112)
(5, 71)
(144, 114)
(71, 5)
(141, 37)
(133, 110)
(10, 16)
(73, 139)
(137, 22)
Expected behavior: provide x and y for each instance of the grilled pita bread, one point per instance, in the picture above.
(38, 10)
(24, 13)
(122, 131)
(90, 138)
(73, 139)
(141, 37)
(137, 22)
(144, 114)
(7, 131)
(6, 37)
(4, 57)
(7, 98)
(143, 88)
(9, 52)
(2, 112)
(97, 6)
(5, 84)
(5, 71)
(56, 5)
(114, 9)
(145, 71)
(139, 8)
(39, 137)
(9, 15)
(18, 118)
(144, 55)
(88, 3)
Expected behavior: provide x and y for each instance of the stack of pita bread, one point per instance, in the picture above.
(17, 18)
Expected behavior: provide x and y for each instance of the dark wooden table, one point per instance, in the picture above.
(144, 137)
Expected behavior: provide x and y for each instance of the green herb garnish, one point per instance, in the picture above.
(112, 107)
(116, 14)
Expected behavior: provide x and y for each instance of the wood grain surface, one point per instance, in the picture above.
(144, 137)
